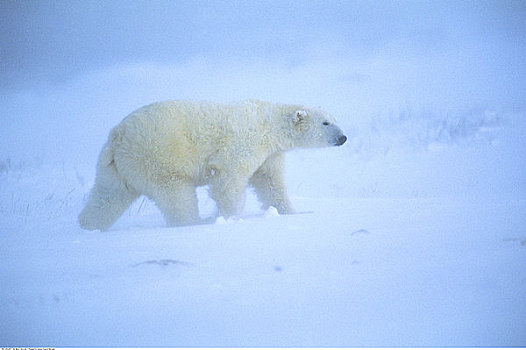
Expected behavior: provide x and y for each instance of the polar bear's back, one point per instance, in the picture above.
(198, 116)
(175, 138)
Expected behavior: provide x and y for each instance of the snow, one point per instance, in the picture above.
(411, 234)
(271, 212)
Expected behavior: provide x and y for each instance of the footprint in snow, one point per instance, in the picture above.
(360, 232)
(522, 241)
(164, 262)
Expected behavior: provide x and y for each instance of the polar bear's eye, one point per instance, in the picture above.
(325, 123)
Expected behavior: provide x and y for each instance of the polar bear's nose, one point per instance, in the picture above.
(341, 140)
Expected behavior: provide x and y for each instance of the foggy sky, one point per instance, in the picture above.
(53, 41)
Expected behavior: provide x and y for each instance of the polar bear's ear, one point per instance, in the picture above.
(300, 115)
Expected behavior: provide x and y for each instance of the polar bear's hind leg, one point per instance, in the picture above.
(108, 199)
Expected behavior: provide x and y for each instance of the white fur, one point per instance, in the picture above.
(166, 149)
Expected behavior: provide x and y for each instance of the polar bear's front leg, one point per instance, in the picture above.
(269, 184)
(177, 201)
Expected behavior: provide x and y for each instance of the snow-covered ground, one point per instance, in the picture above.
(408, 245)
(411, 234)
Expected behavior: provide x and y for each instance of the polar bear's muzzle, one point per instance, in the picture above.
(336, 136)
(340, 140)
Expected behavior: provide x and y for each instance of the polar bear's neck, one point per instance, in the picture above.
(277, 127)
(271, 121)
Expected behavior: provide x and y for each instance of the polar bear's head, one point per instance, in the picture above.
(315, 128)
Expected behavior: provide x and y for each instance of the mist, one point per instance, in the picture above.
(73, 69)
(57, 41)
(410, 234)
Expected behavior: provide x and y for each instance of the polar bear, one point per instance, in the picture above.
(167, 149)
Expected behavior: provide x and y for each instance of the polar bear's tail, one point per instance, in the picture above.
(109, 197)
